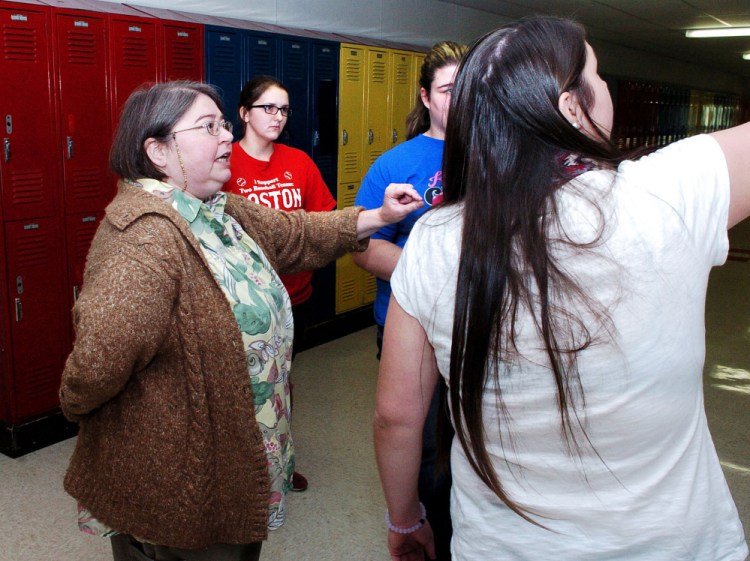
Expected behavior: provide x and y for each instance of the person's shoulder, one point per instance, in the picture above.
(677, 155)
(286, 151)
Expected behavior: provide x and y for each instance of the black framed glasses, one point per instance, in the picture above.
(272, 109)
(212, 127)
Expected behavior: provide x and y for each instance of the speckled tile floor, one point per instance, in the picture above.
(340, 516)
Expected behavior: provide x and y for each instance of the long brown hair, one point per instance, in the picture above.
(504, 138)
(440, 55)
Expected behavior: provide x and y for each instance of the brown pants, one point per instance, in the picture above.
(127, 548)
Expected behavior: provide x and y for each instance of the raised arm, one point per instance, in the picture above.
(399, 200)
(735, 143)
(406, 382)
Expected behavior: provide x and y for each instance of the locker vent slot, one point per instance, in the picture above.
(353, 70)
(134, 52)
(371, 286)
(296, 66)
(379, 73)
(224, 58)
(183, 55)
(27, 187)
(32, 250)
(20, 44)
(86, 183)
(263, 62)
(374, 155)
(325, 67)
(81, 48)
(402, 74)
(348, 289)
(351, 163)
(41, 383)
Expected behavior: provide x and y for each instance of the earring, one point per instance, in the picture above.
(179, 159)
(576, 125)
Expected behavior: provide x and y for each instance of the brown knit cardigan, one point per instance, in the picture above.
(169, 449)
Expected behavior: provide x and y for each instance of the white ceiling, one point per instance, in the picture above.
(656, 26)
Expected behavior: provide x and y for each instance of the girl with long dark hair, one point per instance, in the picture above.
(560, 292)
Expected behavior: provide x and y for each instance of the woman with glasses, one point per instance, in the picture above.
(179, 373)
(277, 176)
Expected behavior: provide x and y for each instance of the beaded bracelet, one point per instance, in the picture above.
(393, 528)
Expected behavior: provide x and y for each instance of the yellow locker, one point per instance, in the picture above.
(401, 100)
(377, 90)
(352, 80)
(416, 66)
(376, 139)
(348, 275)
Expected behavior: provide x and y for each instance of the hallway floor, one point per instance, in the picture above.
(341, 515)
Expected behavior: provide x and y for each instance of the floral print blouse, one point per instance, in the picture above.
(263, 312)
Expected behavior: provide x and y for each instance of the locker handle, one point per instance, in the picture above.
(395, 136)
(19, 310)
(70, 147)
(344, 138)
(316, 138)
(76, 293)
(6, 149)
(370, 136)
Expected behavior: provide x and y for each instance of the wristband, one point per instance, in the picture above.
(399, 530)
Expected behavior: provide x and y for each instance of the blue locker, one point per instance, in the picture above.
(324, 109)
(224, 67)
(295, 74)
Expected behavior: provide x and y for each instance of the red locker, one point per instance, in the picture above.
(38, 315)
(182, 51)
(28, 171)
(86, 133)
(133, 57)
(80, 230)
(7, 403)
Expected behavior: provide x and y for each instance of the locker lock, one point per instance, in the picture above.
(19, 284)
(8, 124)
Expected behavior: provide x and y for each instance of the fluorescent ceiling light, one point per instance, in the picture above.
(720, 32)
(746, 56)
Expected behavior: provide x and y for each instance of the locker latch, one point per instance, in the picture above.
(395, 136)
(370, 136)
(6, 149)
(344, 138)
(19, 310)
(70, 147)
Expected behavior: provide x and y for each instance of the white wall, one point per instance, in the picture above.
(424, 22)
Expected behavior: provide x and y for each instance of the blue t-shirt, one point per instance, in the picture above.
(418, 162)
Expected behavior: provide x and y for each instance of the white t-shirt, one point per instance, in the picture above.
(656, 491)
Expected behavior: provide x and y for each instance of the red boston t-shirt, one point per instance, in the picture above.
(289, 181)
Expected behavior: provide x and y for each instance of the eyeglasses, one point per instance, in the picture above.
(212, 127)
(274, 109)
